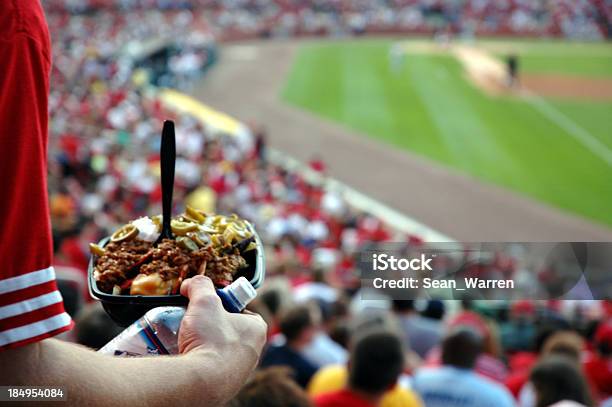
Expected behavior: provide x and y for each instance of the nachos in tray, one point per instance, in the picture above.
(208, 244)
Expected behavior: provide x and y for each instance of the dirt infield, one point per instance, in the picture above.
(246, 83)
(570, 87)
(484, 71)
(489, 74)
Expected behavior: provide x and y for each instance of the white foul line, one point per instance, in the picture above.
(480, 64)
(580, 134)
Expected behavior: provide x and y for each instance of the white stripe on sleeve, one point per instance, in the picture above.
(27, 280)
(31, 304)
(34, 329)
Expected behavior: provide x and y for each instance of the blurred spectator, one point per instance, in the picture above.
(556, 379)
(598, 363)
(260, 144)
(267, 304)
(455, 383)
(298, 328)
(489, 363)
(434, 309)
(421, 334)
(518, 333)
(562, 343)
(316, 289)
(271, 387)
(522, 362)
(71, 290)
(334, 378)
(271, 300)
(72, 293)
(94, 328)
(567, 343)
(467, 316)
(340, 333)
(317, 164)
(376, 362)
(323, 350)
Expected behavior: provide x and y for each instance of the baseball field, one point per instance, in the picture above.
(549, 138)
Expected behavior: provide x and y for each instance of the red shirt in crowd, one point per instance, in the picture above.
(31, 307)
(341, 398)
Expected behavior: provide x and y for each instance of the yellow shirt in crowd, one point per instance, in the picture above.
(333, 378)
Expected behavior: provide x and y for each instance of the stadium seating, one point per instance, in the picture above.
(106, 107)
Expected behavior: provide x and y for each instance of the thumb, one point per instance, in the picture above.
(201, 292)
(196, 283)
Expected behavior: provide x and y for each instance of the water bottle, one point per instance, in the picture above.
(156, 333)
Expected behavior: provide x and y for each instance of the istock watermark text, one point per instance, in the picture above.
(385, 262)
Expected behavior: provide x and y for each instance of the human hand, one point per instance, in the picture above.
(234, 341)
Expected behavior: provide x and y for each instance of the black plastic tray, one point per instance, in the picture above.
(125, 309)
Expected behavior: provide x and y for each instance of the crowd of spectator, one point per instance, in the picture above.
(586, 19)
(327, 346)
(531, 356)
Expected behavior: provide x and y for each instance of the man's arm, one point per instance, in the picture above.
(220, 351)
(92, 379)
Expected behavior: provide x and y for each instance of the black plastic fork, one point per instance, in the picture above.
(167, 162)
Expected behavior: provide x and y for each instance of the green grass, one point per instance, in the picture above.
(596, 66)
(429, 108)
(560, 57)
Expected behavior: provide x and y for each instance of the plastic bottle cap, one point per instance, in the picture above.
(243, 291)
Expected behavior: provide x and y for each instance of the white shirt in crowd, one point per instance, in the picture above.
(447, 386)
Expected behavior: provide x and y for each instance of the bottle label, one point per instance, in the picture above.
(154, 345)
(139, 339)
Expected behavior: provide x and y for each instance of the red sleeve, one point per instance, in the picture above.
(31, 307)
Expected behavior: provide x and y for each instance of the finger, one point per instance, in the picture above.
(196, 283)
(201, 293)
